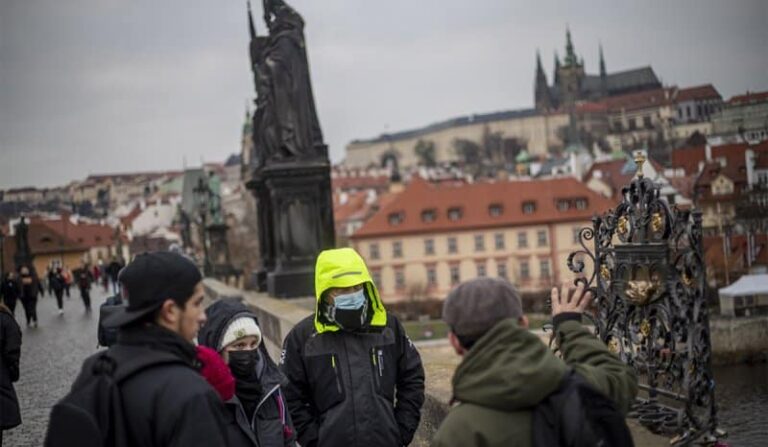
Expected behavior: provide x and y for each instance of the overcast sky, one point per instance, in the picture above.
(100, 86)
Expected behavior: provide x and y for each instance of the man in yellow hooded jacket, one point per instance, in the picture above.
(356, 380)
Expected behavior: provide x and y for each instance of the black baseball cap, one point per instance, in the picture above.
(149, 280)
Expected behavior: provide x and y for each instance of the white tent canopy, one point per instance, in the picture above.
(747, 285)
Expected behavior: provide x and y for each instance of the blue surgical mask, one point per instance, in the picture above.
(350, 301)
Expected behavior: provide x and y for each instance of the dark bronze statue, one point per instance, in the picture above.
(285, 122)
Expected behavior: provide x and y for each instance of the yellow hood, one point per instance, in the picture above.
(343, 267)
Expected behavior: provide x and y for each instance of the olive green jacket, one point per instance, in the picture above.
(509, 371)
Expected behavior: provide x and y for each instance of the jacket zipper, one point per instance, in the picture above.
(256, 410)
(351, 387)
(336, 373)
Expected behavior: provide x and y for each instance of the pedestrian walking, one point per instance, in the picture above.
(113, 270)
(10, 352)
(30, 289)
(57, 284)
(84, 279)
(67, 280)
(258, 415)
(10, 291)
(355, 378)
(508, 377)
(150, 375)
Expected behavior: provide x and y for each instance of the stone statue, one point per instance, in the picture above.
(285, 121)
(23, 256)
(214, 200)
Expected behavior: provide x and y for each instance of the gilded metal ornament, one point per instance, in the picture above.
(651, 308)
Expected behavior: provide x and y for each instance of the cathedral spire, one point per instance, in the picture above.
(541, 88)
(570, 54)
(603, 73)
(539, 69)
(557, 69)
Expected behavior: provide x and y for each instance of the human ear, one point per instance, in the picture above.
(523, 322)
(170, 313)
(456, 344)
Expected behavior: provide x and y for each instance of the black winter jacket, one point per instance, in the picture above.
(168, 405)
(353, 389)
(271, 424)
(10, 351)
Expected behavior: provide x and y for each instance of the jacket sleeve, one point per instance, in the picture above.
(297, 391)
(590, 357)
(289, 437)
(410, 386)
(11, 334)
(200, 423)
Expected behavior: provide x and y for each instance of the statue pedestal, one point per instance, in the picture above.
(298, 217)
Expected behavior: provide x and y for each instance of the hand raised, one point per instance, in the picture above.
(563, 301)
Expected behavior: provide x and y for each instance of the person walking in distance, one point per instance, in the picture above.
(67, 280)
(10, 291)
(10, 352)
(356, 380)
(30, 289)
(508, 378)
(258, 415)
(84, 279)
(57, 284)
(155, 384)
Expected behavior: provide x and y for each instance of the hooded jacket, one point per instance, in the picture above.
(352, 388)
(509, 370)
(271, 424)
(10, 352)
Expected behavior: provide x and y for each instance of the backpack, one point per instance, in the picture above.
(91, 414)
(578, 415)
(107, 336)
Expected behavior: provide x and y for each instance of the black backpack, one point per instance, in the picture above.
(107, 336)
(578, 415)
(91, 415)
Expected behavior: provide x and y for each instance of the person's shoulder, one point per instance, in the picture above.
(465, 423)
(305, 327)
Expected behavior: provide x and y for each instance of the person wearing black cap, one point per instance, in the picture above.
(166, 402)
(506, 371)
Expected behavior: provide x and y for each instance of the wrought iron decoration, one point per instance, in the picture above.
(649, 282)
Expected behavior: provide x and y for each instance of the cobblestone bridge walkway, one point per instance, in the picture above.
(51, 356)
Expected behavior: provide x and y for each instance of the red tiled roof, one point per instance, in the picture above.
(611, 173)
(683, 185)
(706, 91)
(474, 201)
(753, 97)
(591, 107)
(128, 219)
(688, 159)
(87, 235)
(360, 182)
(640, 100)
(737, 258)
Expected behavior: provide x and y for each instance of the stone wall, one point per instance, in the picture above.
(739, 339)
(277, 317)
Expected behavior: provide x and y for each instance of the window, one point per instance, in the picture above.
(495, 210)
(373, 251)
(522, 240)
(498, 241)
(501, 269)
(687, 111)
(544, 268)
(525, 272)
(454, 213)
(395, 218)
(480, 269)
(429, 215)
(452, 246)
(397, 249)
(399, 278)
(617, 126)
(431, 276)
(581, 204)
(529, 207)
(680, 113)
(479, 242)
(647, 122)
(576, 232)
(632, 124)
(562, 205)
(698, 110)
(429, 246)
(455, 276)
(376, 277)
(541, 238)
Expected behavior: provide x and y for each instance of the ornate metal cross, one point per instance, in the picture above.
(648, 279)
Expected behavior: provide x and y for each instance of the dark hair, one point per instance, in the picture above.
(467, 341)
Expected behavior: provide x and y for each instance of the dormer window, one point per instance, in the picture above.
(428, 215)
(529, 207)
(562, 205)
(396, 218)
(454, 213)
(495, 210)
(581, 204)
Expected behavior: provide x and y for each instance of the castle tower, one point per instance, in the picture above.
(541, 89)
(571, 74)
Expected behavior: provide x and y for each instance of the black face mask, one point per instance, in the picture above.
(351, 319)
(243, 363)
